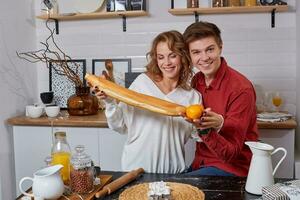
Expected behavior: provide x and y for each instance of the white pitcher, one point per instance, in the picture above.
(261, 171)
(47, 183)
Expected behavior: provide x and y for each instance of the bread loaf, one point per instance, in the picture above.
(134, 98)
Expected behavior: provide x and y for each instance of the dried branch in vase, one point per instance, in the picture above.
(53, 54)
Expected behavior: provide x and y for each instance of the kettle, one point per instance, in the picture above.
(261, 171)
(47, 183)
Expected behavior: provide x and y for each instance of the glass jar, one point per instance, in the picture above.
(82, 172)
(219, 3)
(234, 3)
(192, 3)
(61, 154)
(82, 102)
(250, 2)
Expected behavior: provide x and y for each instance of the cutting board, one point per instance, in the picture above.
(105, 179)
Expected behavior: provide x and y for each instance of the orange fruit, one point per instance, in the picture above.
(194, 111)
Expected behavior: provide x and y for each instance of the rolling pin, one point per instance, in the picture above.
(120, 182)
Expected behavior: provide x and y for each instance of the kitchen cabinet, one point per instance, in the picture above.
(230, 10)
(94, 15)
(33, 143)
(33, 139)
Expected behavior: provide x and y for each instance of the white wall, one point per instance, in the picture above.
(298, 79)
(18, 83)
(267, 56)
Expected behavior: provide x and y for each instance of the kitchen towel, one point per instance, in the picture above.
(282, 191)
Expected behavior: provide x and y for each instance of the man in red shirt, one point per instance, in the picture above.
(229, 99)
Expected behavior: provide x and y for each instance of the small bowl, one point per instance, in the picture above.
(52, 111)
(34, 111)
(47, 97)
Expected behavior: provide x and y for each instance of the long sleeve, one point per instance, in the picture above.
(228, 143)
(115, 116)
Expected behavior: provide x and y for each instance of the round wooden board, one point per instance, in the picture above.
(179, 191)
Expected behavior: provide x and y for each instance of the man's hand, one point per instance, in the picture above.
(208, 120)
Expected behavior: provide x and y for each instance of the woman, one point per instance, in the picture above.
(156, 142)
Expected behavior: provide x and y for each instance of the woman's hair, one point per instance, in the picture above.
(176, 44)
(200, 30)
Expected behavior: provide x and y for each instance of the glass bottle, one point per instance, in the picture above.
(82, 172)
(61, 154)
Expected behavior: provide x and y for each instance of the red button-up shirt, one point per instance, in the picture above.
(232, 95)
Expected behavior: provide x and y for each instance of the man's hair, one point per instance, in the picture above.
(200, 30)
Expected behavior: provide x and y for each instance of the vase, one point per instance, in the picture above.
(82, 102)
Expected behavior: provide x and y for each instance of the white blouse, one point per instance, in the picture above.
(155, 142)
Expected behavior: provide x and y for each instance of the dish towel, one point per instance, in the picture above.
(282, 191)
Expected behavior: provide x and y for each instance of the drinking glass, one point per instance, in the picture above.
(277, 100)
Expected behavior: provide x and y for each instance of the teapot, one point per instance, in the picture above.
(47, 183)
(261, 171)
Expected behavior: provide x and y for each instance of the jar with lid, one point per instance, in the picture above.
(61, 154)
(82, 172)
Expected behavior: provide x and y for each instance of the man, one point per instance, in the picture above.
(229, 98)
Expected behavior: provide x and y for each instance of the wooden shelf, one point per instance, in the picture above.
(95, 15)
(228, 10)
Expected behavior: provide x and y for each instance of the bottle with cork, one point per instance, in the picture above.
(61, 154)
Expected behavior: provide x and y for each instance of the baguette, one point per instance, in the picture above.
(136, 99)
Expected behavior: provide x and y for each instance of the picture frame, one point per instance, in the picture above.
(62, 87)
(120, 67)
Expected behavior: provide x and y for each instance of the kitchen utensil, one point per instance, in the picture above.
(47, 183)
(120, 182)
(52, 111)
(261, 171)
(33, 111)
(47, 97)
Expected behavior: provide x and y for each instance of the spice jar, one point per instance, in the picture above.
(234, 3)
(82, 172)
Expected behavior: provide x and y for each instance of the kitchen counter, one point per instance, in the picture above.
(214, 187)
(99, 120)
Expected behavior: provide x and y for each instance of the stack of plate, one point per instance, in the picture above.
(88, 6)
(273, 116)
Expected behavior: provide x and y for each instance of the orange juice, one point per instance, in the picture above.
(62, 158)
(277, 101)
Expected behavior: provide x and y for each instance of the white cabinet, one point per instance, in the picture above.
(111, 146)
(33, 143)
(281, 138)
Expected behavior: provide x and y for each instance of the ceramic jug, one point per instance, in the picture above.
(47, 183)
(261, 171)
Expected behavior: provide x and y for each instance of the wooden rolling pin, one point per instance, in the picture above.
(134, 98)
(120, 182)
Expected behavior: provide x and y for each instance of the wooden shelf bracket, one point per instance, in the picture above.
(124, 23)
(56, 25)
(273, 18)
(196, 16)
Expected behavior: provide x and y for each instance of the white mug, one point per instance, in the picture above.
(34, 111)
(52, 111)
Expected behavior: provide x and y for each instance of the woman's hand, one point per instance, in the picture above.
(99, 93)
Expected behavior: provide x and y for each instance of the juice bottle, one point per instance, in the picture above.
(61, 154)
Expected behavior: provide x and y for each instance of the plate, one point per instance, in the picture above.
(88, 6)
